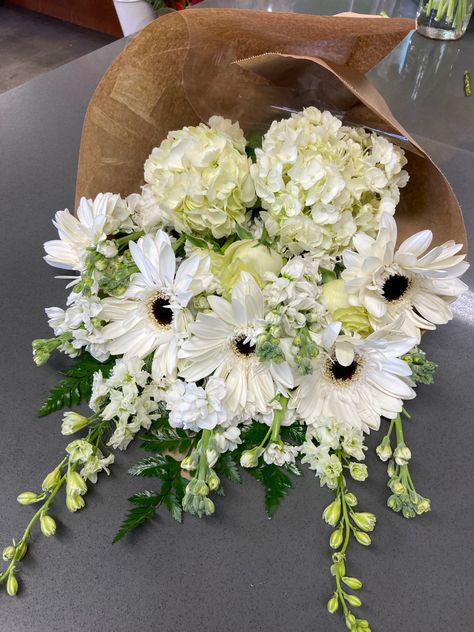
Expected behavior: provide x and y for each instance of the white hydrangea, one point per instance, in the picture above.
(320, 183)
(200, 179)
(196, 408)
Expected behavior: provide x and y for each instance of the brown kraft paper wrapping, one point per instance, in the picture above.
(252, 67)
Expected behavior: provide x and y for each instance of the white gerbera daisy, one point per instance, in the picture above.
(223, 344)
(151, 316)
(366, 382)
(95, 220)
(406, 282)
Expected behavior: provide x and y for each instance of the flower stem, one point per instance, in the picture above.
(26, 533)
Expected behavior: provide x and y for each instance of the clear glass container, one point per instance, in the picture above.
(443, 19)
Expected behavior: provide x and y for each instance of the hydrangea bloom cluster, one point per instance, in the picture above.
(321, 183)
(246, 308)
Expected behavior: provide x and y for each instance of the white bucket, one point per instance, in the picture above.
(133, 15)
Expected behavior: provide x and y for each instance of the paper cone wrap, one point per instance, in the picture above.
(252, 67)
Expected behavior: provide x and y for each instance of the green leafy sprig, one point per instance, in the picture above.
(77, 386)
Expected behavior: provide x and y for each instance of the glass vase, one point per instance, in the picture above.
(443, 19)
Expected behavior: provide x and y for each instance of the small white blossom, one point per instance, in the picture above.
(193, 407)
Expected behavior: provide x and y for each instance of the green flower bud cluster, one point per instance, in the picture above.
(44, 347)
(422, 369)
(268, 346)
(196, 501)
(306, 351)
(115, 277)
(404, 499)
(202, 459)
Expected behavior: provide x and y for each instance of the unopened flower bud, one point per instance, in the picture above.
(362, 538)
(48, 525)
(249, 458)
(352, 582)
(397, 487)
(402, 454)
(213, 481)
(394, 502)
(75, 484)
(350, 621)
(336, 538)
(384, 450)
(200, 488)
(333, 604)
(391, 469)
(354, 600)
(212, 455)
(332, 512)
(73, 422)
(209, 507)
(12, 585)
(190, 463)
(74, 503)
(358, 471)
(408, 511)
(8, 553)
(350, 499)
(51, 480)
(29, 498)
(423, 505)
(21, 550)
(364, 520)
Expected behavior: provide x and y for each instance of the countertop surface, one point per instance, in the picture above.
(237, 571)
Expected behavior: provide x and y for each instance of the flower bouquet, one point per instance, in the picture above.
(259, 301)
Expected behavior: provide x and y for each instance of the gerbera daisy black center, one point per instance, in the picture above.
(341, 372)
(395, 287)
(160, 310)
(242, 347)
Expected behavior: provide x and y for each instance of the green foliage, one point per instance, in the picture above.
(76, 386)
(135, 517)
(295, 433)
(146, 503)
(162, 438)
(253, 434)
(227, 466)
(150, 466)
(275, 484)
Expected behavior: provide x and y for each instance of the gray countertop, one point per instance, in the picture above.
(238, 571)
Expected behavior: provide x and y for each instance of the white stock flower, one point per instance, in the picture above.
(95, 464)
(200, 179)
(96, 219)
(227, 439)
(196, 408)
(279, 453)
(152, 315)
(223, 344)
(357, 380)
(321, 183)
(327, 466)
(408, 282)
